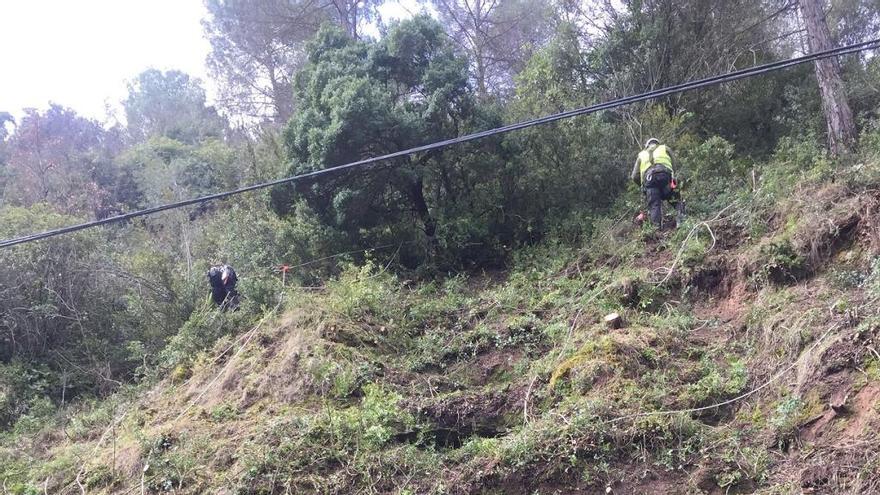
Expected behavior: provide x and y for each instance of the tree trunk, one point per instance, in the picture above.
(838, 115)
(417, 196)
(282, 97)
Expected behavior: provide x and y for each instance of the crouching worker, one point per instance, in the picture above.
(653, 171)
(223, 280)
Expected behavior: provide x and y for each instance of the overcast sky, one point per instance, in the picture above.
(79, 53)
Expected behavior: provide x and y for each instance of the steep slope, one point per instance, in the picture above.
(749, 362)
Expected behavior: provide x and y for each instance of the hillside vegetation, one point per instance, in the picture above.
(748, 363)
(432, 323)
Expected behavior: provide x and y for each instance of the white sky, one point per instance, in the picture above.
(80, 53)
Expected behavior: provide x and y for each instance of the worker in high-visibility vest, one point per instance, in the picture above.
(654, 172)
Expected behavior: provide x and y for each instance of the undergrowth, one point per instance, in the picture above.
(501, 382)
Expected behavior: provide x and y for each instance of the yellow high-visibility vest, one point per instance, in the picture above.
(660, 155)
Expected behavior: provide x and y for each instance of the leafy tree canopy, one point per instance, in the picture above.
(59, 157)
(359, 99)
(170, 104)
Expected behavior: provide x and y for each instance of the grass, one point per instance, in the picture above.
(487, 383)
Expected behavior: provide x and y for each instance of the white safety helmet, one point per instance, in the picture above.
(652, 141)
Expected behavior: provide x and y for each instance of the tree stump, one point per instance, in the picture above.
(613, 320)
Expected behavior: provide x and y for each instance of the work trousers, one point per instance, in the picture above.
(657, 190)
(219, 294)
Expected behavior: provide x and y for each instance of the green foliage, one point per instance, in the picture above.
(63, 159)
(870, 140)
(708, 160)
(652, 297)
(100, 477)
(342, 374)
(356, 436)
(694, 252)
(204, 327)
(379, 416)
(795, 159)
(360, 99)
(780, 264)
(93, 415)
(786, 419)
(439, 348)
(872, 282)
(532, 229)
(522, 331)
(223, 412)
(718, 382)
(562, 172)
(171, 105)
(169, 170)
(362, 292)
(438, 304)
(39, 413)
(171, 462)
(22, 386)
(742, 463)
(67, 313)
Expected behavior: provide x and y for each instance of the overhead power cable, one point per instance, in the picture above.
(679, 88)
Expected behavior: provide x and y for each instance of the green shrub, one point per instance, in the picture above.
(93, 415)
(869, 143)
(786, 418)
(361, 292)
(99, 476)
(437, 348)
(780, 264)
(20, 385)
(794, 161)
(39, 413)
(718, 382)
(223, 412)
(872, 281)
(707, 160)
(341, 376)
(439, 304)
(200, 332)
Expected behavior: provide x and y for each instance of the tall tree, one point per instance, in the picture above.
(352, 15)
(630, 47)
(167, 170)
(180, 151)
(360, 99)
(60, 158)
(852, 21)
(6, 119)
(655, 43)
(498, 37)
(170, 104)
(258, 45)
(838, 115)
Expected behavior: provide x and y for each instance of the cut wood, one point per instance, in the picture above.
(613, 320)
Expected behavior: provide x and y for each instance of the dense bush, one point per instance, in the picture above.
(67, 312)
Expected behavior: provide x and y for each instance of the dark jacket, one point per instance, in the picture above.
(223, 280)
